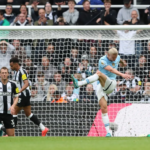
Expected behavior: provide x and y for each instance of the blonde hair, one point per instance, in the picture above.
(113, 51)
(49, 96)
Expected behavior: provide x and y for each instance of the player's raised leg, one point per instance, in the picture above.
(35, 120)
(88, 80)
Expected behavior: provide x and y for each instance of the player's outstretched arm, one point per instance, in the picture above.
(125, 76)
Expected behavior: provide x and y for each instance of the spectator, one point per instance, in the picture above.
(61, 21)
(19, 50)
(42, 19)
(124, 95)
(92, 2)
(58, 98)
(50, 93)
(68, 95)
(124, 13)
(17, 2)
(71, 15)
(3, 21)
(141, 69)
(84, 67)
(24, 10)
(34, 94)
(49, 13)
(52, 54)
(9, 15)
(41, 83)
(21, 20)
(6, 50)
(93, 59)
(134, 18)
(86, 15)
(57, 80)
(74, 57)
(146, 17)
(146, 93)
(107, 16)
(146, 53)
(134, 84)
(32, 69)
(67, 69)
(89, 95)
(48, 69)
(127, 47)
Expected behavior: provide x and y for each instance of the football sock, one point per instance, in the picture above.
(105, 119)
(88, 80)
(34, 119)
(15, 119)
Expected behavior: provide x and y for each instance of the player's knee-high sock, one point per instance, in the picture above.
(34, 119)
(88, 80)
(15, 119)
(105, 119)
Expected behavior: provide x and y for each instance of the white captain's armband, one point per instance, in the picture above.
(24, 77)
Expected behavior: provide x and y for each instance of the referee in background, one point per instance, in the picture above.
(25, 95)
(8, 90)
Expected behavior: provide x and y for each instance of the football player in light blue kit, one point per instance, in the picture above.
(106, 77)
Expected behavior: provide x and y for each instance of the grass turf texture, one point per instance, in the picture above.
(74, 143)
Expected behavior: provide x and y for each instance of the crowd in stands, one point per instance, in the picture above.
(71, 15)
(50, 62)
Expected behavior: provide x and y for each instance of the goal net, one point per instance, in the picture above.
(51, 54)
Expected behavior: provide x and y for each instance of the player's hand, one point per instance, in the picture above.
(126, 76)
(12, 110)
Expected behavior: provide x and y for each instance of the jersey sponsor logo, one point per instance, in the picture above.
(17, 90)
(24, 77)
(5, 93)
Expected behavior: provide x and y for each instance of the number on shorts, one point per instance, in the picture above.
(19, 101)
(12, 123)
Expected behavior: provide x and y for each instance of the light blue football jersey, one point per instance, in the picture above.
(104, 61)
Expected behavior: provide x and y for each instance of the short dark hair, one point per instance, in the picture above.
(25, 6)
(71, 1)
(14, 60)
(126, 22)
(1, 12)
(5, 68)
(85, 1)
(107, 1)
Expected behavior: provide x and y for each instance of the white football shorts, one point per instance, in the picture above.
(109, 87)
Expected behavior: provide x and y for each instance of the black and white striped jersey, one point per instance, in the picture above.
(132, 83)
(7, 93)
(19, 77)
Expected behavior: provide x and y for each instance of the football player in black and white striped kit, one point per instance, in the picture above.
(24, 98)
(8, 90)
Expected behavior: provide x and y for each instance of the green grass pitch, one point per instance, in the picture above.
(74, 143)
